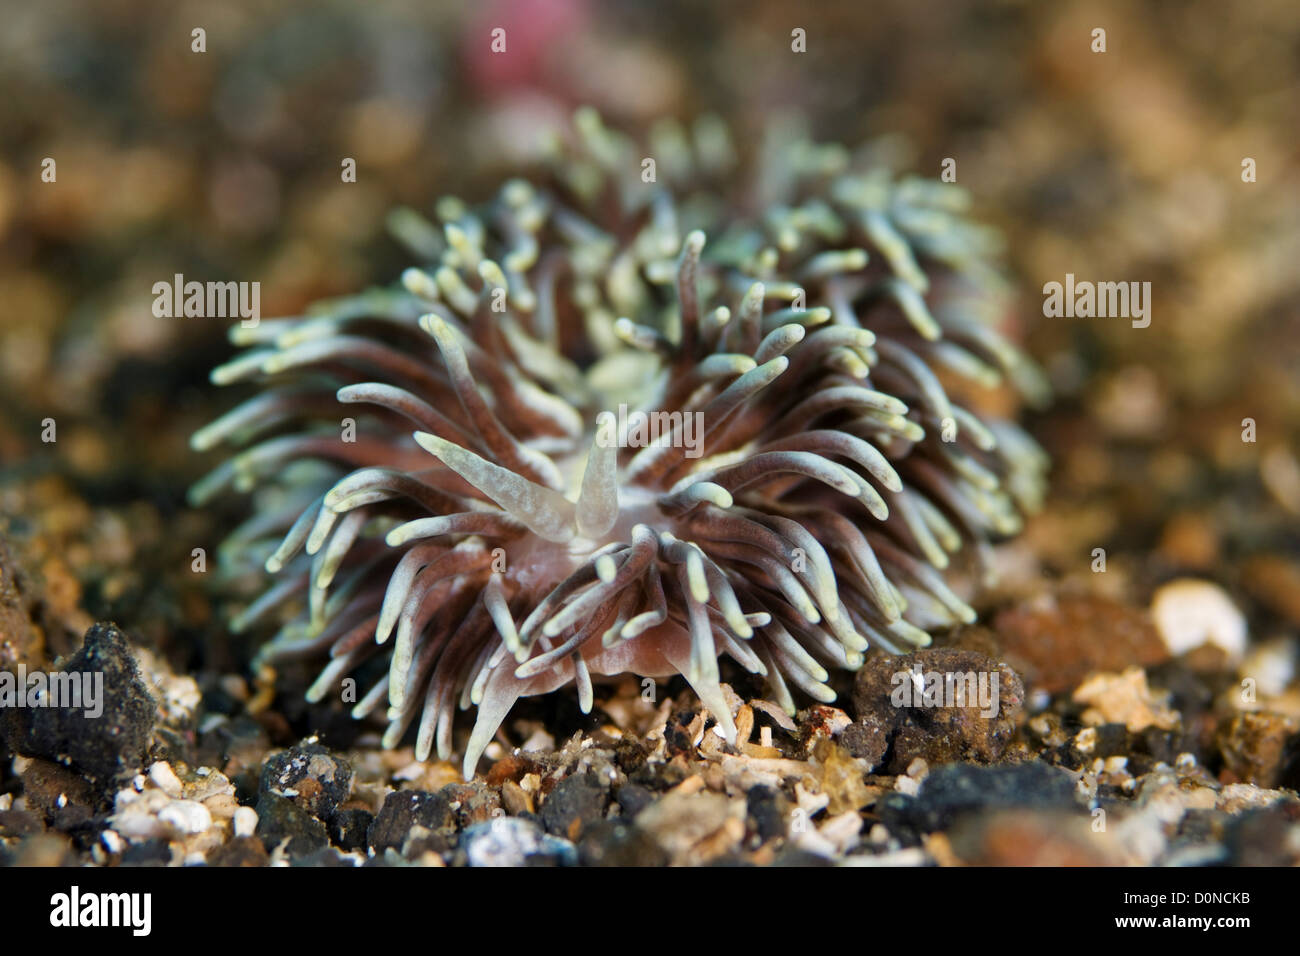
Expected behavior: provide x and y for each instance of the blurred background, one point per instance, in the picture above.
(1124, 165)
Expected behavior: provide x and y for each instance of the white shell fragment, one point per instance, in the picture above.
(245, 822)
(1189, 613)
(186, 816)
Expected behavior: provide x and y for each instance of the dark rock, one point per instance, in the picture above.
(472, 802)
(867, 739)
(241, 851)
(576, 803)
(1140, 765)
(104, 748)
(218, 700)
(630, 754)
(310, 776)
(20, 823)
(1160, 746)
(53, 790)
(404, 809)
(349, 828)
(65, 800)
(420, 841)
(1255, 746)
(1265, 837)
(157, 852)
(663, 776)
(618, 843)
(957, 789)
(79, 823)
(955, 726)
(280, 819)
(766, 809)
(633, 798)
(1068, 756)
(1112, 741)
(1191, 692)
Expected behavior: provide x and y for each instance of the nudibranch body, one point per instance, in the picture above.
(631, 423)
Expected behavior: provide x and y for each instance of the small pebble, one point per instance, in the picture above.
(1125, 699)
(186, 816)
(1271, 665)
(1189, 613)
(576, 803)
(165, 779)
(509, 841)
(245, 822)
